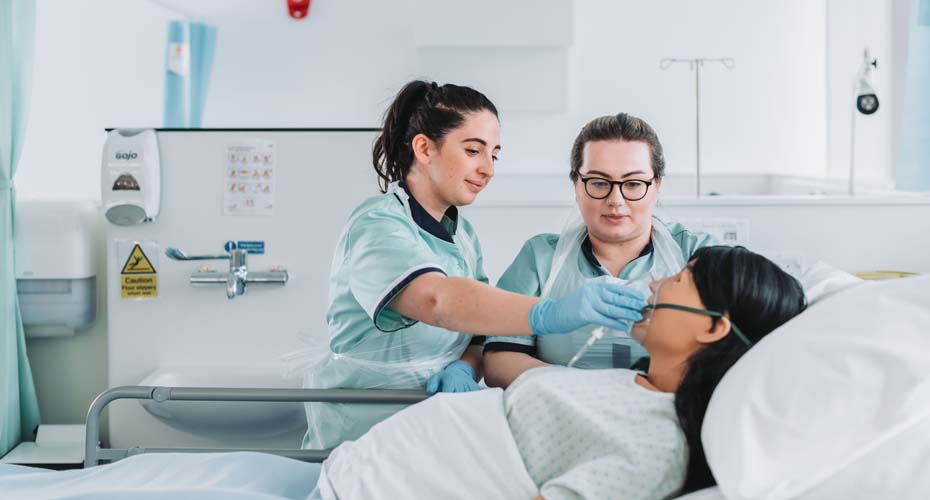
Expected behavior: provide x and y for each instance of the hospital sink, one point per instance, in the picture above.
(249, 420)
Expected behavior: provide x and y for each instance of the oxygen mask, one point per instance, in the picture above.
(640, 330)
(641, 283)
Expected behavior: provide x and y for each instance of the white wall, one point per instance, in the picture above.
(91, 71)
(854, 25)
(99, 63)
(777, 47)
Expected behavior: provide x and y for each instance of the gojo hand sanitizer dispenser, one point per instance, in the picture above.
(131, 176)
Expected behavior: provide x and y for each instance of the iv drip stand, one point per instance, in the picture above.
(696, 64)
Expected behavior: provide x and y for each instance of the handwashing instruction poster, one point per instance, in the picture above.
(249, 178)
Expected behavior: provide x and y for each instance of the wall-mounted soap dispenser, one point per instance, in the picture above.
(131, 176)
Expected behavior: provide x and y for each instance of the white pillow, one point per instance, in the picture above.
(834, 404)
(821, 279)
(712, 493)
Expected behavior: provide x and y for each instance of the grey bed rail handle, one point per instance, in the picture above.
(93, 452)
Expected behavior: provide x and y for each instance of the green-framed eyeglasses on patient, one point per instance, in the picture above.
(631, 190)
(705, 312)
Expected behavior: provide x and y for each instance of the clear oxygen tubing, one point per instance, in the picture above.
(601, 332)
(641, 330)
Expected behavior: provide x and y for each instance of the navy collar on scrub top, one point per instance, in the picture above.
(443, 230)
(588, 251)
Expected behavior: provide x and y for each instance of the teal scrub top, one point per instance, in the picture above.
(528, 274)
(389, 241)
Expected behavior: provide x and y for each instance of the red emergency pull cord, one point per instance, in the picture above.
(298, 8)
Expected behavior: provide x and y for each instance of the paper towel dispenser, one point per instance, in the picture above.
(56, 278)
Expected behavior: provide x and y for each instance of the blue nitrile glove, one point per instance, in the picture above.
(599, 302)
(457, 376)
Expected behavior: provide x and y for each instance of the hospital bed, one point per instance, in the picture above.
(194, 473)
(189, 473)
(802, 446)
(94, 453)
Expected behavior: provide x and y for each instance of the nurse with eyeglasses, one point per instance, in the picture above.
(617, 165)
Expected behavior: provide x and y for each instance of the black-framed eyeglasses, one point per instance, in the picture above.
(631, 190)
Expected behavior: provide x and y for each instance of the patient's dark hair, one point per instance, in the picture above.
(421, 108)
(758, 297)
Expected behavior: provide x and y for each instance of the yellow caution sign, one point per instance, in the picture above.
(139, 286)
(138, 278)
(138, 263)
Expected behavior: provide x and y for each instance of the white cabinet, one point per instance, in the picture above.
(494, 23)
(514, 51)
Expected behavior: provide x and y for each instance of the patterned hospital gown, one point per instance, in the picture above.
(596, 434)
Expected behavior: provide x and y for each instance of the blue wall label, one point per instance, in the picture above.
(252, 247)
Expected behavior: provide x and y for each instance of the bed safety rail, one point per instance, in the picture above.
(94, 453)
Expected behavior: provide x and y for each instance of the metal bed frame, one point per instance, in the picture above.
(94, 453)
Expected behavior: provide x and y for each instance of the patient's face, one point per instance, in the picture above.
(671, 332)
(615, 219)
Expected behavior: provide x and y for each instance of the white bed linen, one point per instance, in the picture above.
(712, 493)
(257, 476)
(174, 476)
(397, 457)
(833, 404)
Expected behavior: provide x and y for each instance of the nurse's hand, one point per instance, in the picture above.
(457, 376)
(602, 303)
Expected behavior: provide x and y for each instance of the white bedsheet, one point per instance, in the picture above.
(174, 476)
(712, 493)
(397, 457)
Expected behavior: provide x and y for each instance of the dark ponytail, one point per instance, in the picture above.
(757, 296)
(421, 108)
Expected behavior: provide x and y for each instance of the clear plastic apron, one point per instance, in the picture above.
(408, 358)
(615, 349)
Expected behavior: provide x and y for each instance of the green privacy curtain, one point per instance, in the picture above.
(19, 409)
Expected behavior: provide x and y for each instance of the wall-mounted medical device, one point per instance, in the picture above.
(130, 176)
(866, 103)
(56, 278)
(866, 98)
